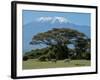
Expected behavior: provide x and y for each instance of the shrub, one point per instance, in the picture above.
(42, 58)
(25, 58)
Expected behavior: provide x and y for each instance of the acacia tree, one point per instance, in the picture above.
(58, 39)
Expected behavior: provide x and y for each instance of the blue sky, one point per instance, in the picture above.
(30, 16)
(77, 18)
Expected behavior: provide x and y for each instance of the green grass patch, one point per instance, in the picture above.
(35, 64)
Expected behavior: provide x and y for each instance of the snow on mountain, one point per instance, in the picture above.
(52, 19)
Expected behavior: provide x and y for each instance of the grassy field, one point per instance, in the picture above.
(34, 64)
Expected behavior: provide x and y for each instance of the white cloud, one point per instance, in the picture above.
(53, 19)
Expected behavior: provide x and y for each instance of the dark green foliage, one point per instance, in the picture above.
(25, 58)
(82, 47)
(88, 56)
(42, 58)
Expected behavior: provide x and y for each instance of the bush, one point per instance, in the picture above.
(25, 58)
(42, 58)
(88, 56)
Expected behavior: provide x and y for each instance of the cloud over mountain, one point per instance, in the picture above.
(52, 19)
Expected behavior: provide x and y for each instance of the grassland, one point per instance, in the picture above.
(35, 64)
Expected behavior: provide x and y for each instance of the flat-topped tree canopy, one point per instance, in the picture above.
(56, 36)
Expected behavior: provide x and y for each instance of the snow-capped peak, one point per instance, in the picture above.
(53, 19)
